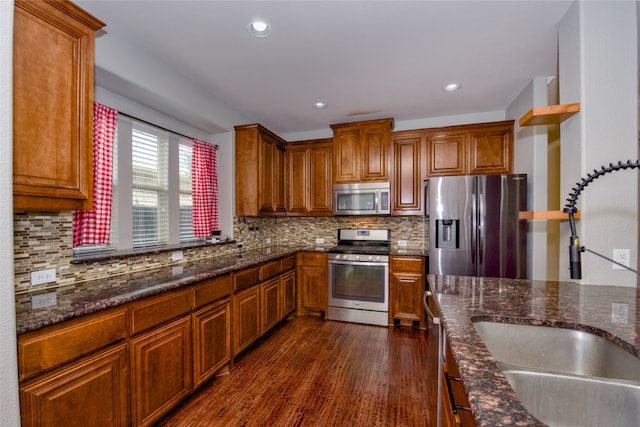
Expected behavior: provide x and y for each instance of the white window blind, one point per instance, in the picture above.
(149, 159)
(185, 156)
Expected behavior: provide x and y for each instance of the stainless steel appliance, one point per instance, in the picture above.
(474, 229)
(362, 199)
(359, 277)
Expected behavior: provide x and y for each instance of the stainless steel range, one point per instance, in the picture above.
(359, 277)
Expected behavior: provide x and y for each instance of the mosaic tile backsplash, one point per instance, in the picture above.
(43, 241)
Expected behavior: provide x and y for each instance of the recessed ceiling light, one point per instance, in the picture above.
(452, 87)
(319, 105)
(259, 29)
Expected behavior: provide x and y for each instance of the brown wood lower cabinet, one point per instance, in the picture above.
(270, 301)
(211, 343)
(313, 278)
(288, 293)
(246, 314)
(161, 371)
(456, 410)
(406, 288)
(92, 391)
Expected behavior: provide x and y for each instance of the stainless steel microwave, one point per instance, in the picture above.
(362, 199)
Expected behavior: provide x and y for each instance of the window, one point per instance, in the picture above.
(152, 187)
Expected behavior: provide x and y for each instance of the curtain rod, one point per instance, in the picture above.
(159, 127)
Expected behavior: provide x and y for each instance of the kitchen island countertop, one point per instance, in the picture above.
(463, 300)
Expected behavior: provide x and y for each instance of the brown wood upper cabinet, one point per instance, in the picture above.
(53, 56)
(260, 158)
(409, 150)
(308, 178)
(478, 149)
(360, 151)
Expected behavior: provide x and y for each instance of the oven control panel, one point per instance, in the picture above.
(359, 257)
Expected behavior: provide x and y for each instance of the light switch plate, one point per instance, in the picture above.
(43, 276)
(177, 256)
(402, 243)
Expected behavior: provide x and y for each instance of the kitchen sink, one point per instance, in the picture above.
(565, 400)
(566, 377)
(559, 350)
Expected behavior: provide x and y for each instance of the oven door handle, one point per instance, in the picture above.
(367, 263)
(427, 294)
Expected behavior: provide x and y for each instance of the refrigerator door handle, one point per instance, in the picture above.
(427, 210)
(473, 227)
(481, 225)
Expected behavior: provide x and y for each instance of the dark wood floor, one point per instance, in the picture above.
(312, 372)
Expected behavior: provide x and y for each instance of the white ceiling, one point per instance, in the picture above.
(365, 59)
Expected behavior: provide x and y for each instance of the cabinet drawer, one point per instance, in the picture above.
(269, 270)
(407, 264)
(287, 263)
(211, 290)
(157, 310)
(56, 345)
(318, 259)
(246, 278)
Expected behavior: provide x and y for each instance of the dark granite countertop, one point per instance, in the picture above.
(92, 296)
(463, 300)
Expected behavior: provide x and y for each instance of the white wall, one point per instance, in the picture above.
(9, 406)
(530, 157)
(598, 58)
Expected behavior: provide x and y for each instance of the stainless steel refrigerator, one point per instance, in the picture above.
(474, 228)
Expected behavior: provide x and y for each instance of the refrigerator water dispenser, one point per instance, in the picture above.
(447, 233)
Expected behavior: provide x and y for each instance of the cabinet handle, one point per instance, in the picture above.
(454, 405)
(436, 320)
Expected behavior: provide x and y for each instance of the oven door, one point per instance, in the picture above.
(359, 285)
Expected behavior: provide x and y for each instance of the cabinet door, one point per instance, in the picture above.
(288, 293)
(92, 391)
(346, 155)
(270, 303)
(312, 280)
(53, 54)
(266, 175)
(320, 185)
(406, 288)
(447, 154)
(211, 340)
(279, 179)
(297, 180)
(375, 156)
(161, 370)
(246, 315)
(409, 172)
(490, 150)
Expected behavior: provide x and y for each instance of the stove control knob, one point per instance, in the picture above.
(370, 258)
(378, 258)
(357, 257)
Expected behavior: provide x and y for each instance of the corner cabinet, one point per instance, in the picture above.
(360, 151)
(260, 172)
(53, 57)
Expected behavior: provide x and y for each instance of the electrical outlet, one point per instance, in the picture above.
(622, 256)
(319, 241)
(268, 240)
(402, 243)
(619, 312)
(177, 256)
(44, 300)
(177, 270)
(43, 276)
(239, 245)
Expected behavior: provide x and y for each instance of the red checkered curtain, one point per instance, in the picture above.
(91, 227)
(205, 189)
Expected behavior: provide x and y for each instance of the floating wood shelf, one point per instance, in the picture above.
(550, 114)
(546, 215)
